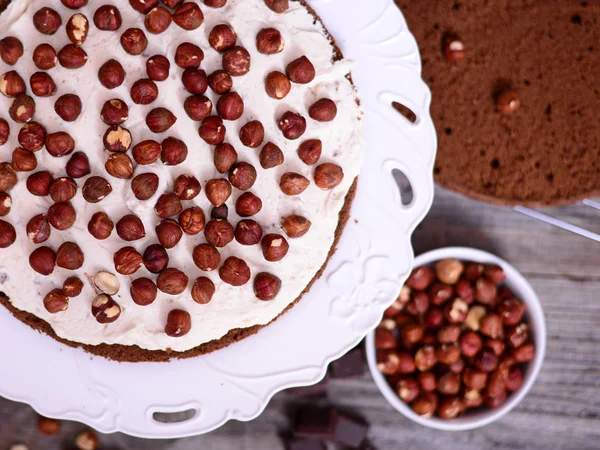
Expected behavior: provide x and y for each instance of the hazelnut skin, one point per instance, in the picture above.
(130, 228)
(45, 57)
(269, 41)
(296, 226)
(328, 176)
(212, 130)
(324, 110)
(32, 136)
(236, 61)
(172, 281)
(219, 233)
(22, 109)
(420, 278)
(187, 187)
(188, 16)
(195, 81)
(145, 185)
(72, 287)
(179, 323)
(449, 271)
(23, 160)
(248, 205)
(134, 41)
(293, 183)
(143, 291)
(203, 290)
(11, 84)
(108, 18)
(158, 68)
(206, 257)
(242, 175)
(192, 220)
(114, 112)
(146, 152)
(119, 165)
(248, 232)
(174, 151)
(158, 20)
(292, 125)
(266, 286)
(56, 301)
(72, 56)
(100, 226)
(222, 38)
(144, 91)
(95, 189)
(224, 157)
(274, 247)
(38, 183)
(301, 71)
(167, 205)
(160, 120)
(62, 216)
(156, 258)
(252, 134)
(127, 261)
(42, 84)
(310, 151)
(198, 107)
(69, 256)
(68, 107)
(277, 85)
(188, 55)
(43, 260)
(11, 50)
(218, 191)
(47, 21)
(270, 156)
(111, 74)
(8, 177)
(235, 271)
(230, 106)
(220, 82)
(59, 144)
(62, 189)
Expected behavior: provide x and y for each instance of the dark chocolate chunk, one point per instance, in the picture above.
(330, 425)
(352, 364)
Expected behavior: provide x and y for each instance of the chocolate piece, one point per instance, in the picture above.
(305, 444)
(352, 364)
(316, 390)
(330, 425)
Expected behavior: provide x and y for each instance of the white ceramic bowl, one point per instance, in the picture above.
(535, 317)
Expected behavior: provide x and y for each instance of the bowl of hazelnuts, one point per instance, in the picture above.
(462, 344)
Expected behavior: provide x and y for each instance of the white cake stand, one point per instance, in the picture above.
(361, 280)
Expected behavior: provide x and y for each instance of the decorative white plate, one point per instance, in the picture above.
(361, 280)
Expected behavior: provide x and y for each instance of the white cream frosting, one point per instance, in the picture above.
(231, 307)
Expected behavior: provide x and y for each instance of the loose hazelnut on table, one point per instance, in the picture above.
(72, 56)
(5, 204)
(156, 258)
(105, 310)
(230, 106)
(269, 41)
(22, 109)
(203, 290)
(169, 233)
(160, 120)
(134, 41)
(42, 260)
(77, 28)
(236, 61)
(174, 151)
(11, 50)
(179, 323)
(224, 157)
(168, 205)
(130, 228)
(270, 156)
(158, 20)
(252, 134)
(206, 257)
(277, 85)
(235, 271)
(56, 301)
(143, 6)
(143, 291)
(293, 183)
(453, 47)
(111, 74)
(144, 91)
(248, 205)
(127, 261)
(188, 16)
(144, 186)
(274, 247)
(187, 187)
(192, 220)
(32, 136)
(248, 232)
(222, 37)
(301, 71)
(219, 232)
(47, 21)
(48, 426)
(292, 125)
(72, 287)
(212, 130)
(114, 112)
(23, 160)
(8, 234)
(108, 18)
(220, 82)
(11, 84)
(218, 191)
(62, 189)
(119, 165)
(328, 176)
(95, 189)
(44, 57)
(172, 281)
(100, 226)
(296, 226)
(188, 55)
(62, 215)
(8, 177)
(68, 107)
(278, 6)
(38, 183)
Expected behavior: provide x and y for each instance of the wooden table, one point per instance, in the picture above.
(562, 411)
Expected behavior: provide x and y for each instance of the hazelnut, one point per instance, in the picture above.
(248, 232)
(105, 310)
(524, 353)
(143, 291)
(494, 273)
(77, 28)
(56, 301)
(206, 257)
(236, 61)
(387, 362)
(449, 384)
(449, 271)
(456, 311)
(266, 286)
(188, 55)
(454, 49)
(310, 151)
(219, 212)
(38, 183)
(252, 134)
(472, 399)
(179, 323)
(100, 226)
(172, 281)
(134, 41)
(174, 151)
(470, 344)
(69, 256)
(22, 109)
(496, 345)
(234, 271)
(23, 160)
(146, 152)
(11, 50)
(514, 381)
(385, 339)
(95, 189)
(323, 110)
(224, 157)
(59, 144)
(119, 165)
(269, 41)
(192, 220)
(195, 81)
(507, 102)
(292, 125)
(42, 84)
(72, 56)
(450, 407)
(114, 112)
(296, 226)
(158, 67)
(143, 6)
(187, 187)
(222, 37)
(218, 191)
(517, 336)
(68, 107)
(212, 130)
(86, 440)
(203, 290)
(497, 382)
(293, 183)
(144, 91)
(5, 204)
(406, 363)
(8, 235)
(274, 247)
(486, 360)
(418, 304)
(448, 353)
(72, 287)
(144, 186)
(491, 325)
(48, 426)
(473, 271)
(328, 176)
(62, 189)
(116, 139)
(44, 57)
(158, 20)
(511, 310)
(219, 232)
(270, 156)
(277, 85)
(215, 3)
(220, 82)
(127, 261)
(434, 318)
(107, 18)
(32, 136)
(230, 106)
(5, 132)
(156, 258)
(8, 177)
(278, 6)
(301, 70)
(242, 175)
(62, 215)
(485, 291)
(167, 205)
(197, 107)
(188, 16)
(411, 333)
(248, 205)
(130, 228)
(465, 291)
(111, 74)
(160, 120)
(42, 260)
(474, 316)
(427, 381)
(11, 84)
(475, 379)
(47, 21)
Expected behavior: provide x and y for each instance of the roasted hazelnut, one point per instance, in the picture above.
(100, 226)
(119, 165)
(160, 120)
(56, 301)
(23, 160)
(248, 232)
(158, 67)
(8, 178)
(507, 102)
(111, 74)
(230, 106)
(328, 176)
(174, 151)
(195, 81)
(425, 404)
(270, 156)
(74, 4)
(215, 3)
(511, 310)
(301, 71)
(130, 228)
(96, 189)
(206, 257)
(62, 215)
(456, 311)
(167, 205)
(11, 50)
(496, 345)
(434, 318)
(234, 271)
(114, 112)
(296, 226)
(222, 38)
(474, 316)
(450, 407)
(524, 353)
(192, 220)
(69, 256)
(219, 212)
(212, 130)
(236, 61)
(293, 183)
(411, 333)
(277, 85)
(440, 293)
(449, 384)
(278, 6)
(5, 204)
(38, 183)
(5, 132)
(494, 273)
(172, 281)
(143, 6)
(324, 110)
(218, 191)
(179, 323)
(143, 291)
(242, 175)
(144, 186)
(310, 151)
(514, 381)
(158, 20)
(470, 344)
(203, 290)
(68, 107)
(219, 232)
(224, 157)
(156, 258)
(473, 271)
(292, 125)
(105, 310)
(385, 339)
(448, 353)
(427, 381)
(11, 84)
(42, 84)
(187, 187)
(32, 136)
(465, 291)
(86, 440)
(62, 189)
(107, 283)
(134, 41)
(269, 41)
(42, 260)
(116, 139)
(44, 57)
(485, 291)
(197, 107)
(22, 109)
(406, 363)
(107, 18)
(517, 336)
(418, 304)
(449, 271)
(47, 21)
(248, 205)
(491, 325)
(146, 152)
(497, 382)
(127, 261)
(144, 91)
(486, 360)
(429, 337)
(188, 16)
(472, 399)
(453, 47)
(252, 134)
(220, 82)
(77, 28)
(8, 235)
(48, 426)
(188, 55)
(475, 379)
(266, 286)
(72, 56)
(274, 247)
(59, 144)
